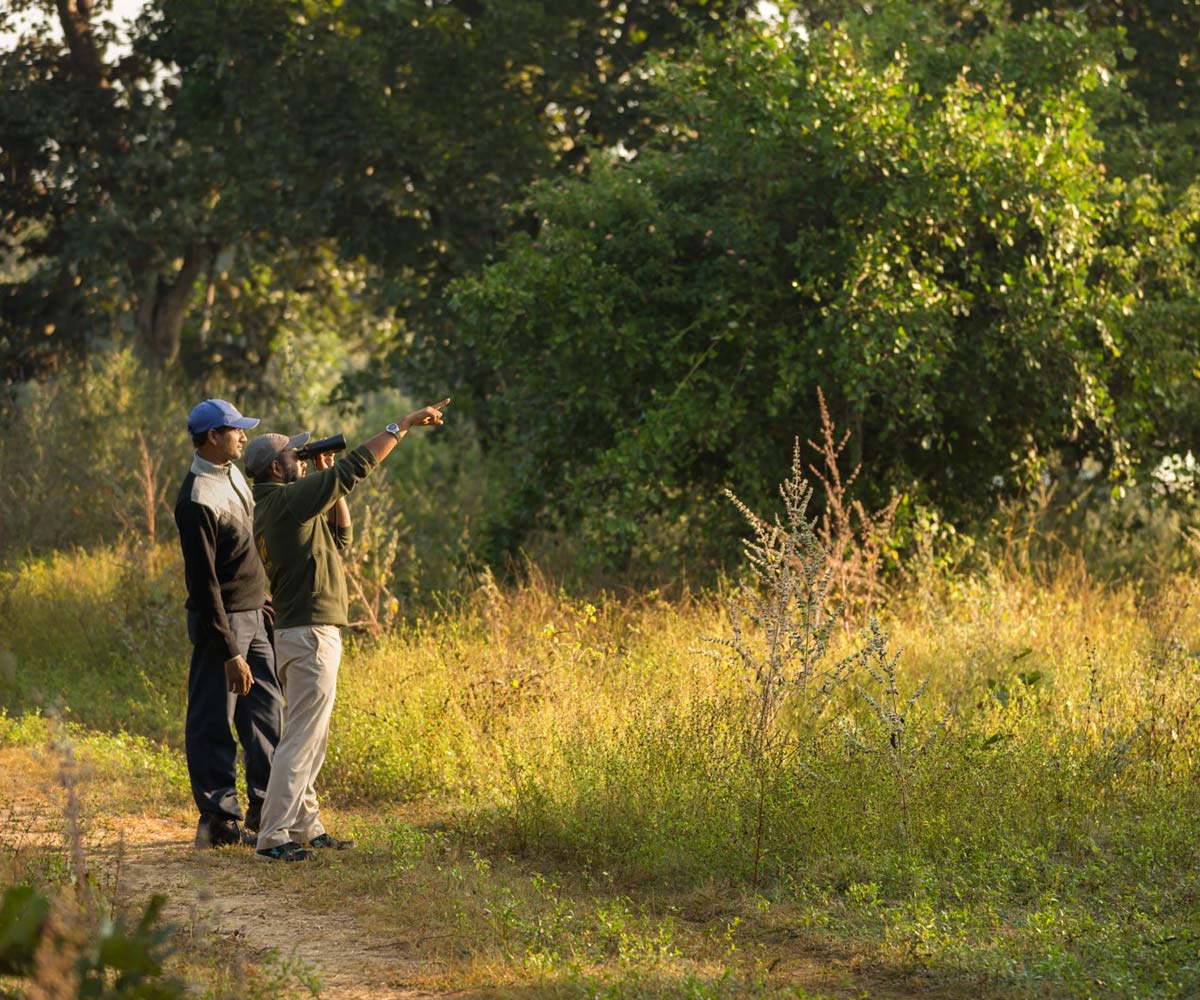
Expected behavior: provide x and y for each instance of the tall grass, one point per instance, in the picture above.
(1007, 785)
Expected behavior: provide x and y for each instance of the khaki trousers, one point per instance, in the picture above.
(307, 659)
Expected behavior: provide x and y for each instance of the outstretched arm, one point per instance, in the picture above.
(381, 444)
(312, 495)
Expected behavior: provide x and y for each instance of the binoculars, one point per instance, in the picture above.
(314, 448)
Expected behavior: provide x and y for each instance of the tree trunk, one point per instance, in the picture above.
(162, 309)
(161, 299)
(75, 16)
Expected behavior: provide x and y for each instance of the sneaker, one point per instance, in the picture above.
(326, 842)
(218, 833)
(291, 851)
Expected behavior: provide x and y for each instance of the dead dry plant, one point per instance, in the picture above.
(370, 574)
(1025, 527)
(782, 624)
(895, 715)
(855, 541)
(138, 511)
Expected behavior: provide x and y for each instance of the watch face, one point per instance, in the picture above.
(392, 428)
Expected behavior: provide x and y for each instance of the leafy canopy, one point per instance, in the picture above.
(947, 259)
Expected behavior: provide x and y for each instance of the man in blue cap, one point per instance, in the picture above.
(231, 680)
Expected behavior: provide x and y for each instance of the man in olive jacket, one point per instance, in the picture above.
(301, 522)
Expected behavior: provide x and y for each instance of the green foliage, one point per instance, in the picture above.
(910, 209)
(23, 914)
(949, 262)
(107, 960)
(112, 204)
(393, 131)
(284, 324)
(1159, 59)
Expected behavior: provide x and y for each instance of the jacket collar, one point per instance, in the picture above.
(203, 467)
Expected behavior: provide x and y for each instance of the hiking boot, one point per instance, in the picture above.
(291, 851)
(249, 838)
(328, 843)
(218, 833)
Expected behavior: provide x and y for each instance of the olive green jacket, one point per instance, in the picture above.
(299, 549)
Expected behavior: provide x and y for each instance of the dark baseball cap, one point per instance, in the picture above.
(265, 448)
(213, 413)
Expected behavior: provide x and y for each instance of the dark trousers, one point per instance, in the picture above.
(212, 711)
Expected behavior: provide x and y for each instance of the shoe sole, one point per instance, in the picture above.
(288, 858)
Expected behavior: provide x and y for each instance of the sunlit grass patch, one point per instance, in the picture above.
(99, 637)
(119, 771)
(999, 799)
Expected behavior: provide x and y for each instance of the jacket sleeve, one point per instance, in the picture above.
(343, 537)
(198, 538)
(315, 493)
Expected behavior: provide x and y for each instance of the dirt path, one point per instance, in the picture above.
(254, 906)
(252, 903)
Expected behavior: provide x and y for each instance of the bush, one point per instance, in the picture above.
(65, 950)
(90, 456)
(942, 254)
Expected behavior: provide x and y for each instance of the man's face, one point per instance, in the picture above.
(291, 468)
(228, 444)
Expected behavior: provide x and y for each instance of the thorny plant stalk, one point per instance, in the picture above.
(84, 947)
(782, 624)
(69, 778)
(854, 541)
(787, 605)
(54, 973)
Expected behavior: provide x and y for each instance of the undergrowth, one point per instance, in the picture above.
(998, 794)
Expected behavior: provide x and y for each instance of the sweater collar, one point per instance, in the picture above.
(203, 467)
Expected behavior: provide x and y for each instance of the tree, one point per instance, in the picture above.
(407, 132)
(1151, 125)
(394, 131)
(108, 213)
(951, 264)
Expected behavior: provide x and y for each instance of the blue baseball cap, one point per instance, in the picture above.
(213, 413)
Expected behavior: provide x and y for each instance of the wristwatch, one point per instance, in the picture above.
(393, 430)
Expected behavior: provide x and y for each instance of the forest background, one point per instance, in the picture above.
(648, 246)
(630, 240)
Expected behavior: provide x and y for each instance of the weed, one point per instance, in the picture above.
(855, 542)
(370, 571)
(789, 609)
(789, 606)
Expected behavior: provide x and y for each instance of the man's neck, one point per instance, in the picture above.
(210, 456)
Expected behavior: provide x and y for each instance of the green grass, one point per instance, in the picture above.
(562, 792)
